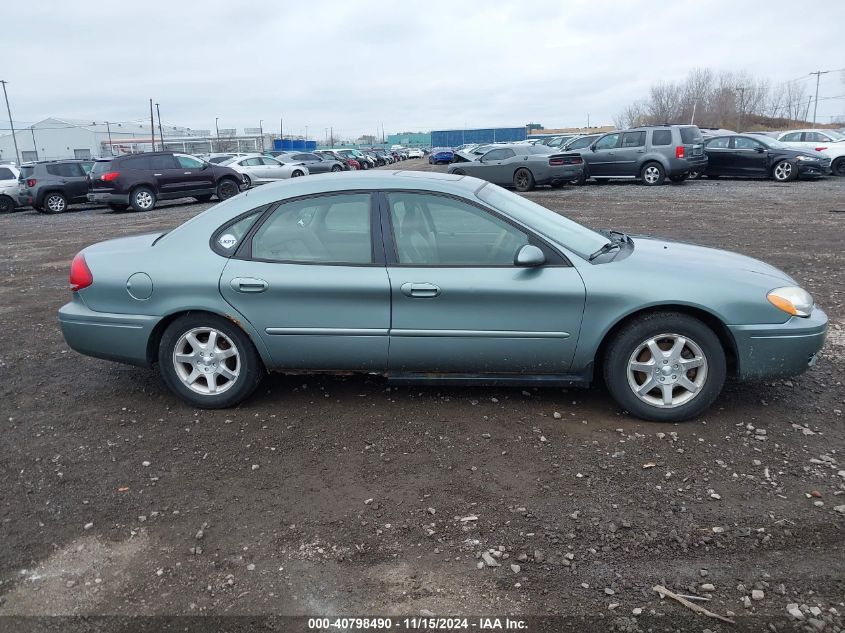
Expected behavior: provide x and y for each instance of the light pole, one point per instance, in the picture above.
(218, 132)
(306, 139)
(11, 124)
(160, 134)
(261, 131)
(34, 146)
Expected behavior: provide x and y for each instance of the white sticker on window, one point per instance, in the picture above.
(227, 241)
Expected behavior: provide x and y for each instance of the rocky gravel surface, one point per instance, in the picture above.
(343, 495)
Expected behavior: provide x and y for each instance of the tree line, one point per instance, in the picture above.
(734, 100)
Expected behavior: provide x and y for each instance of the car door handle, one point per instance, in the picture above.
(640, 151)
(248, 284)
(420, 290)
(188, 173)
(157, 174)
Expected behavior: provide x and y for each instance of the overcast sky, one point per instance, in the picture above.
(424, 65)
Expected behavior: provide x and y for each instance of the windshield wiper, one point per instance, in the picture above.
(620, 238)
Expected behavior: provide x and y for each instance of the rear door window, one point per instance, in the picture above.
(792, 137)
(633, 139)
(721, 142)
(582, 143)
(189, 162)
(163, 161)
(661, 137)
(6, 174)
(741, 142)
(136, 162)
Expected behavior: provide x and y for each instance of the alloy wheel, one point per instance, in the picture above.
(651, 174)
(783, 170)
(667, 370)
(55, 203)
(144, 199)
(206, 361)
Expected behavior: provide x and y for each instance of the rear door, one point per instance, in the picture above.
(310, 276)
(602, 159)
(720, 156)
(74, 181)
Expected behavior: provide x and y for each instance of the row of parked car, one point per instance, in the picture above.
(652, 154)
(139, 181)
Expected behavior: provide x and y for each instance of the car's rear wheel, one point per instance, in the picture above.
(784, 171)
(6, 204)
(459, 172)
(523, 180)
(142, 199)
(208, 361)
(837, 168)
(227, 188)
(337, 168)
(247, 181)
(665, 367)
(297, 173)
(54, 202)
(653, 174)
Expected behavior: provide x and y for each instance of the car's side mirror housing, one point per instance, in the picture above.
(759, 149)
(529, 256)
(592, 148)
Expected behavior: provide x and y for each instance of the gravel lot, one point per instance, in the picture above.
(339, 495)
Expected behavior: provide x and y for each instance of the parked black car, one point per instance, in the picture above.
(760, 156)
(139, 180)
(50, 186)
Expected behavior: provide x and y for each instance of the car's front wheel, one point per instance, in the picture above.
(337, 168)
(297, 173)
(653, 174)
(665, 367)
(227, 188)
(523, 180)
(142, 199)
(784, 171)
(837, 168)
(208, 361)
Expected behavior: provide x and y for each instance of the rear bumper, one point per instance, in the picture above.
(784, 349)
(108, 198)
(118, 337)
(680, 166)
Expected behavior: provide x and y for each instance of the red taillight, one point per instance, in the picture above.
(679, 151)
(109, 176)
(80, 274)
(565, 160)
(30, 182)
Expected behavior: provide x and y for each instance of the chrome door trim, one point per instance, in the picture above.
(325, 331)
(478, 334)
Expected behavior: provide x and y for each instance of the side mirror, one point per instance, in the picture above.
(529, 256)
(759, 149)
(592, 148)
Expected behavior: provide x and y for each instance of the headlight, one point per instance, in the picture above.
(802, 157)
(792, 300)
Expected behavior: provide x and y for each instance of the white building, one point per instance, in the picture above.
(56, 138)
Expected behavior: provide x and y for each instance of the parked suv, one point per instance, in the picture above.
(50, 186)
(649, 153)
(8, 188)
(140, 180)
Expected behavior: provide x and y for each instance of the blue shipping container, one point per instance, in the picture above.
(453, 138)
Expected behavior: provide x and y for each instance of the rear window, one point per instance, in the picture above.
(691, 135)
(6, 174)
(26, 171)
(661, 137)
(65, 170)
(101, 167)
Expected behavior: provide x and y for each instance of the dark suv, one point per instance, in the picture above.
(50, 186)
(651, 153)
(139, 180)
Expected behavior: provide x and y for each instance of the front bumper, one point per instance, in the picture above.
(118, 337)
(814, 168)
(783, 349)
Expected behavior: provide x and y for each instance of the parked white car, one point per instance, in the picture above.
(8, 188)
(258, 169)
(829, 142)
(415, 152)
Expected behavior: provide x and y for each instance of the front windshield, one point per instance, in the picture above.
(557, 228)
(770, 142)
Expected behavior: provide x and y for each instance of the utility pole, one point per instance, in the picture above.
(160, 133)
(741, 105)
(34, 146)
(327, 136)
(818, 75)
(11, 123)
(261, 131)
(216, 127)
(305, 140)
(152, 126)
(331, 138)
(111, 146)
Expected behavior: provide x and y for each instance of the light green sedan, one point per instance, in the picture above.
(436, 278)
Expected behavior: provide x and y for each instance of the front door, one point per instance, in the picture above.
(601, 160)
(750, 157)
(195, 174)
(461, 306)
(308, 280)
(720, 156)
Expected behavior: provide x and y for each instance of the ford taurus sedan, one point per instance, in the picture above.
(436, 278)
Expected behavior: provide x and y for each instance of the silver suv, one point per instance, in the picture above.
(649, 153)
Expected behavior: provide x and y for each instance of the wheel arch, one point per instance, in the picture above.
(145, 184)
(234, 317)
(711, 320)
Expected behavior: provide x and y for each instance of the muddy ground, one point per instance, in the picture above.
(341, 495)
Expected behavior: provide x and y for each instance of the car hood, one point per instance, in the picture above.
(685, 258)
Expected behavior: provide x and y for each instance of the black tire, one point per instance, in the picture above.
(337, 168)
(54, 202)
(6, 204)
(117, 207)
(784, 171)
(523, 179)
(227, 188)
(678, 178)
(837, 167)
(652, 174)
(203, 198)
(695, 175)
(247, 181)
(459, 172)
(298, 173)
(581, 180)
(633, 335)
(142, 199)
(246, 363)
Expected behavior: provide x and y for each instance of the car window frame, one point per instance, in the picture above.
(244, 250)
(642, 136)
(554, 257)
(595, 144)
